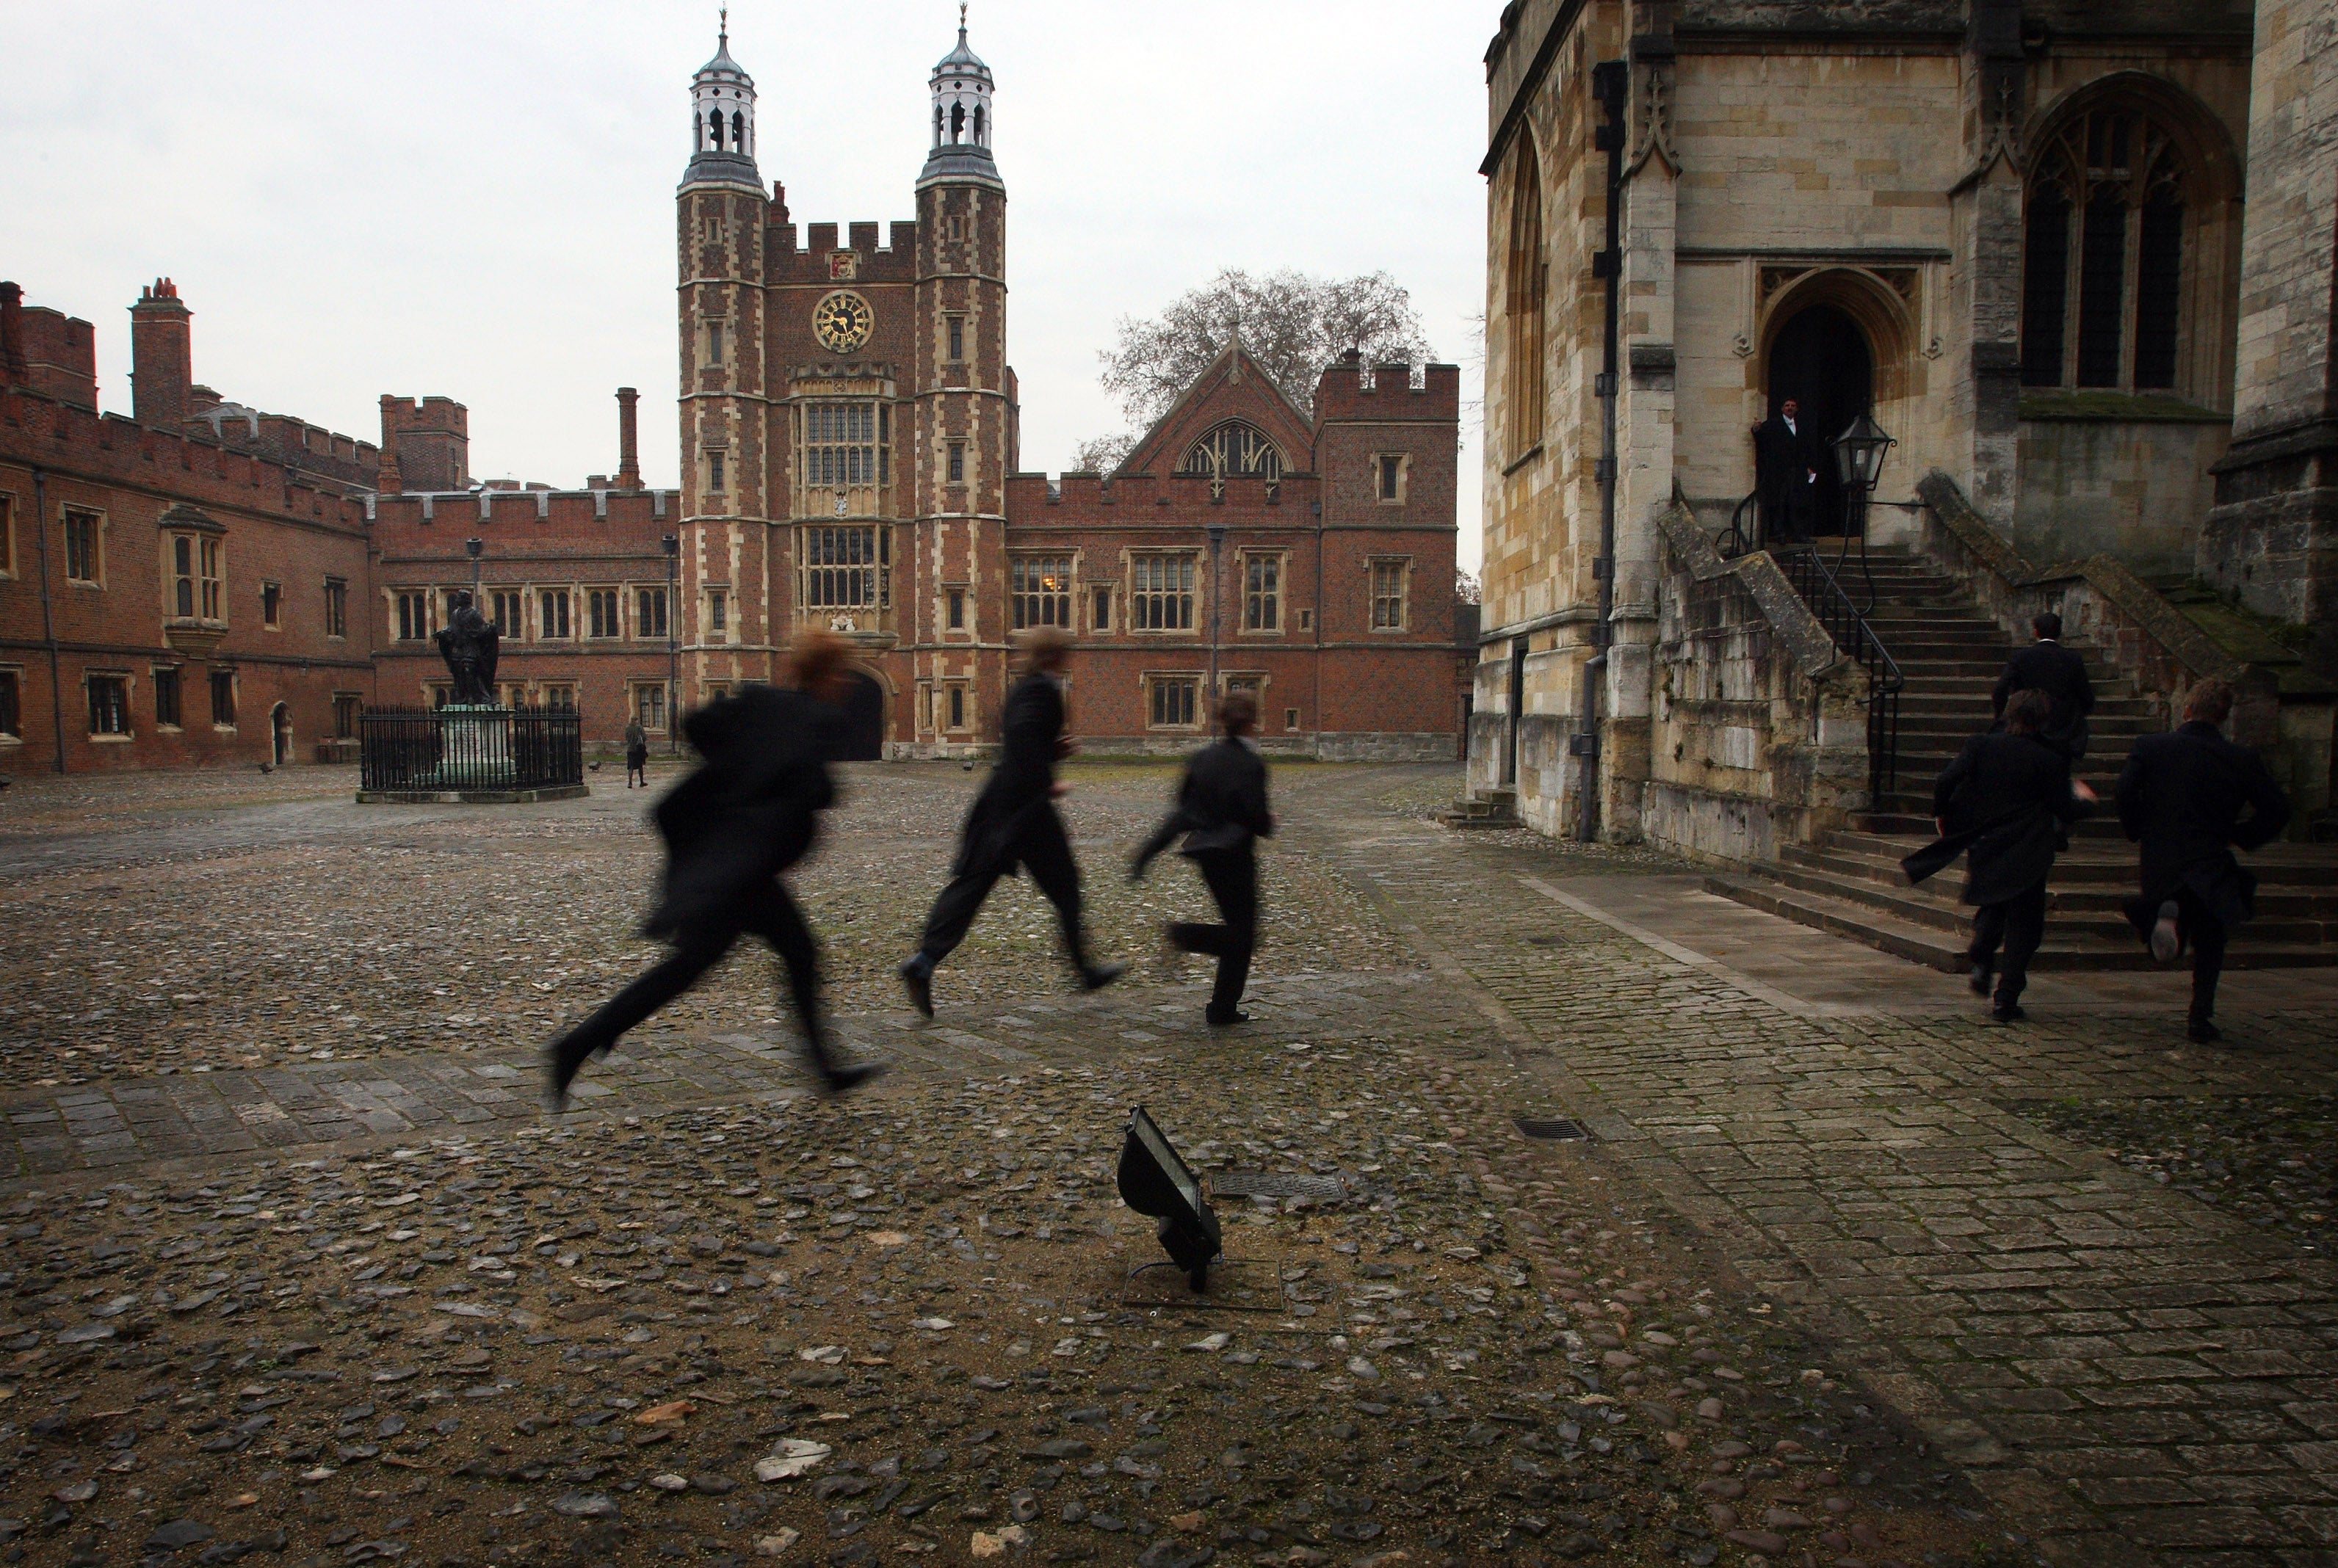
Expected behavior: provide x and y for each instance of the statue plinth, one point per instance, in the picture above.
(474, 747)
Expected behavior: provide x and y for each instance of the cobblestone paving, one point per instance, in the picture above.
(2131, 1373)
(268, 1302)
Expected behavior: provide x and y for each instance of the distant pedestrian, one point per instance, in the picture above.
(1222, 811)
(637, 754)
(1014, 824)
(2182, 796)
(2046, 666)
(2008, 802)
(748, 812)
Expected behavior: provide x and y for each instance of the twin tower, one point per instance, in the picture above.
(847, 417)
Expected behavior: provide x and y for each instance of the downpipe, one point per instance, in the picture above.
(1610, 87)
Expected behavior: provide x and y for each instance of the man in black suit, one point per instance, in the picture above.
(2046, 666)
(2009, 798)
(748, 812)
(1014, 824)
(1786, 458)
(1222, 811)
(2181, 795)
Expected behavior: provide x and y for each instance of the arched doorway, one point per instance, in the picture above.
(1822, 360)
(279, 725)
(863, 736)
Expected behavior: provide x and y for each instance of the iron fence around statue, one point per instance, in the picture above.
(441, 751)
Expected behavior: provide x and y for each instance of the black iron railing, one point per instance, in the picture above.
(1743, 534)
(468, 750)
(1820, 589)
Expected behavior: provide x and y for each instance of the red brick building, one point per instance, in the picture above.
(850, 444)
(850, 439)
(172, 593)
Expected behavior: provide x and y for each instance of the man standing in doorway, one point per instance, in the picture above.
(1786, 474)
(1222, 811)
(1014, 825)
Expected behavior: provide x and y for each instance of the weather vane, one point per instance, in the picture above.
(961, 15)
(725, 13)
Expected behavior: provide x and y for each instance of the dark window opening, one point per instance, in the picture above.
(957, 123)
(223, 697)
(2102, 273)
(957, 707)
(109, 705)
(166, 698)
(2045, 288)
(12, 711)
(347, 706)
(2159, 268)
(958, 610)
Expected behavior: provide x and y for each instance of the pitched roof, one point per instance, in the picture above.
(1234, 386)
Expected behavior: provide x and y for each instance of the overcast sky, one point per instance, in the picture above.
(476, 200)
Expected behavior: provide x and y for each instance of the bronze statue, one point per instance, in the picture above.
(468, 643)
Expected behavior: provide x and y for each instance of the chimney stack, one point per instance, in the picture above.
(161, 357)
(629, 461)
(11, 335)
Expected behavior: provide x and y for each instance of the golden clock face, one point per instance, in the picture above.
(842, 321)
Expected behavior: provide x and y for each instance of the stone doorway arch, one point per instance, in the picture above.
(861, 737)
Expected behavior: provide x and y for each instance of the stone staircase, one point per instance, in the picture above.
(1850, 882)
(1497, 808)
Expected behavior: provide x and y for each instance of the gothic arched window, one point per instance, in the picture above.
(738, 131)
(1233, 450)
(957, 123)
(715, 129)
(2104, 242)
(1523, 301)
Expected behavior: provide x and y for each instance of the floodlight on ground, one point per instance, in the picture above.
(1154, 1181)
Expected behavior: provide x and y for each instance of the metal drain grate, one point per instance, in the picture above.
(1276, 1184)
(1553, 1128)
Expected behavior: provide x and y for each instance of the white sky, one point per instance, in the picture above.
(476, 199)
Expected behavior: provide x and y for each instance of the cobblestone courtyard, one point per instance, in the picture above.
(300, 1273)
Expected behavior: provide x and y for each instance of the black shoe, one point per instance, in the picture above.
(556, 1080)
(2007, 1012)
(1096, 976)
(836, 1080)
(1981, 977)
(2201, 1032)
(917, 979)
(1225, 1020)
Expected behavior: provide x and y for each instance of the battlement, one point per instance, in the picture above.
(1351, 390)
(38, 428)
(611, 517)
(295, 443)
(46, 351)
(894, 262)
(1135, 494)
(427, 442)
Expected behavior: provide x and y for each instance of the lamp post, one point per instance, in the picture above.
(671, 544)
(474, 548)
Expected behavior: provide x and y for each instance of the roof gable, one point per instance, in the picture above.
(1233, 387)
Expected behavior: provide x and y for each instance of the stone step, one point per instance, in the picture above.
(2092, 889)
(1945, 951)
(2311, 871)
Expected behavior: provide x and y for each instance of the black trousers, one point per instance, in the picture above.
(1045, 851)
(1232, 876)
(768, 913)
(2018, 926)
(2198, 925)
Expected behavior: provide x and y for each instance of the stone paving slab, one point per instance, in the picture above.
(2117, 1364)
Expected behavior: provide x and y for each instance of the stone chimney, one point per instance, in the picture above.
(12, 371)
(629, 459)
(161, 357)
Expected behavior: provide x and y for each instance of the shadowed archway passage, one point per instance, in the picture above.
(1820, 359)
(863, 737)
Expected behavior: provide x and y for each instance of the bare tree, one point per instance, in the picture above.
(1101, 454)
(1466, 588)
(1291, 324)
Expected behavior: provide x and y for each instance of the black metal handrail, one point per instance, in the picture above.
(1806, 568)
(1743, 534)
(463, 751)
